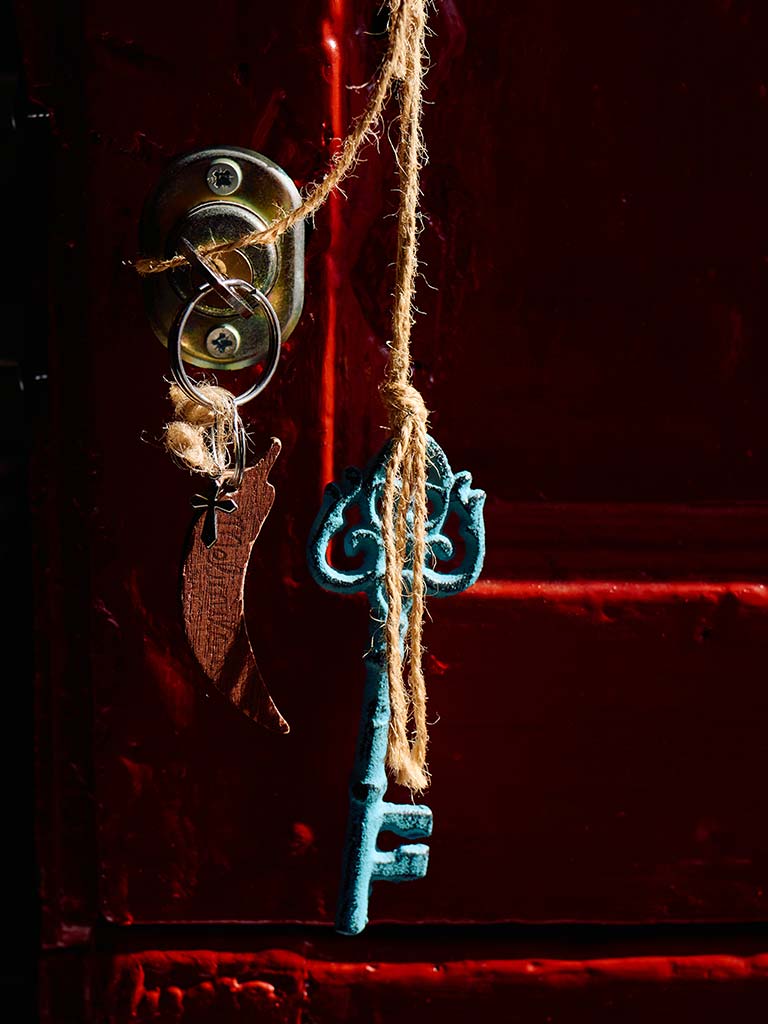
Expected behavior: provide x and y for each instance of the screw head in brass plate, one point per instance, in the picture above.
(224, 177)
(222, 342)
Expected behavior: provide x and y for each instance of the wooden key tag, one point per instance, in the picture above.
(212, 595)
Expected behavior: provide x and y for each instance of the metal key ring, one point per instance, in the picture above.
(232, 479)
(180, 375)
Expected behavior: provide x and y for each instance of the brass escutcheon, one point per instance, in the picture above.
(190, 202)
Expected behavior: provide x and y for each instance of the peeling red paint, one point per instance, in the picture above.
(296, 988)
(154, 968)
(303, 839)
(620, 592)
(174, 683)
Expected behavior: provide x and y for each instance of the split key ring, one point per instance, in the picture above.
(247, 294)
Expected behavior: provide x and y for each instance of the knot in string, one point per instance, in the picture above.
(402, 400)
(199, 437)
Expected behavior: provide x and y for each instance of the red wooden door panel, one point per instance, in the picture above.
(595, 224)
(593, 339)
(412, 983)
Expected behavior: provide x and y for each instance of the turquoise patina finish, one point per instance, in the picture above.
(351, 510)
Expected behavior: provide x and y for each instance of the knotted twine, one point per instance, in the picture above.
(406, 470)
(198, 437)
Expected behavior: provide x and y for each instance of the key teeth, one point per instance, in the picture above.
(404, 864)
(408, 821)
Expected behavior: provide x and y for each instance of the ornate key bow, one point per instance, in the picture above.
(359, 493)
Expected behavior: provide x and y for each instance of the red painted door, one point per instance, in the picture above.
(593, 349)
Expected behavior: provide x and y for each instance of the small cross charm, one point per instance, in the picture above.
(211, 505)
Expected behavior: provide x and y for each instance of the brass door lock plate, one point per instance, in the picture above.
(220, 195)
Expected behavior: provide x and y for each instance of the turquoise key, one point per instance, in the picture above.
(357, 500)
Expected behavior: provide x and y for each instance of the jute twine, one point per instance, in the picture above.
(365, 129)
(406, 471)
(197, 436)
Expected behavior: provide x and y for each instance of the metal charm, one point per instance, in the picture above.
(370, 814)
(211, 505)
(221, 195)
(178, 333)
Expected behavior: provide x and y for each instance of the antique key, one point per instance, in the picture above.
(370, 815)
